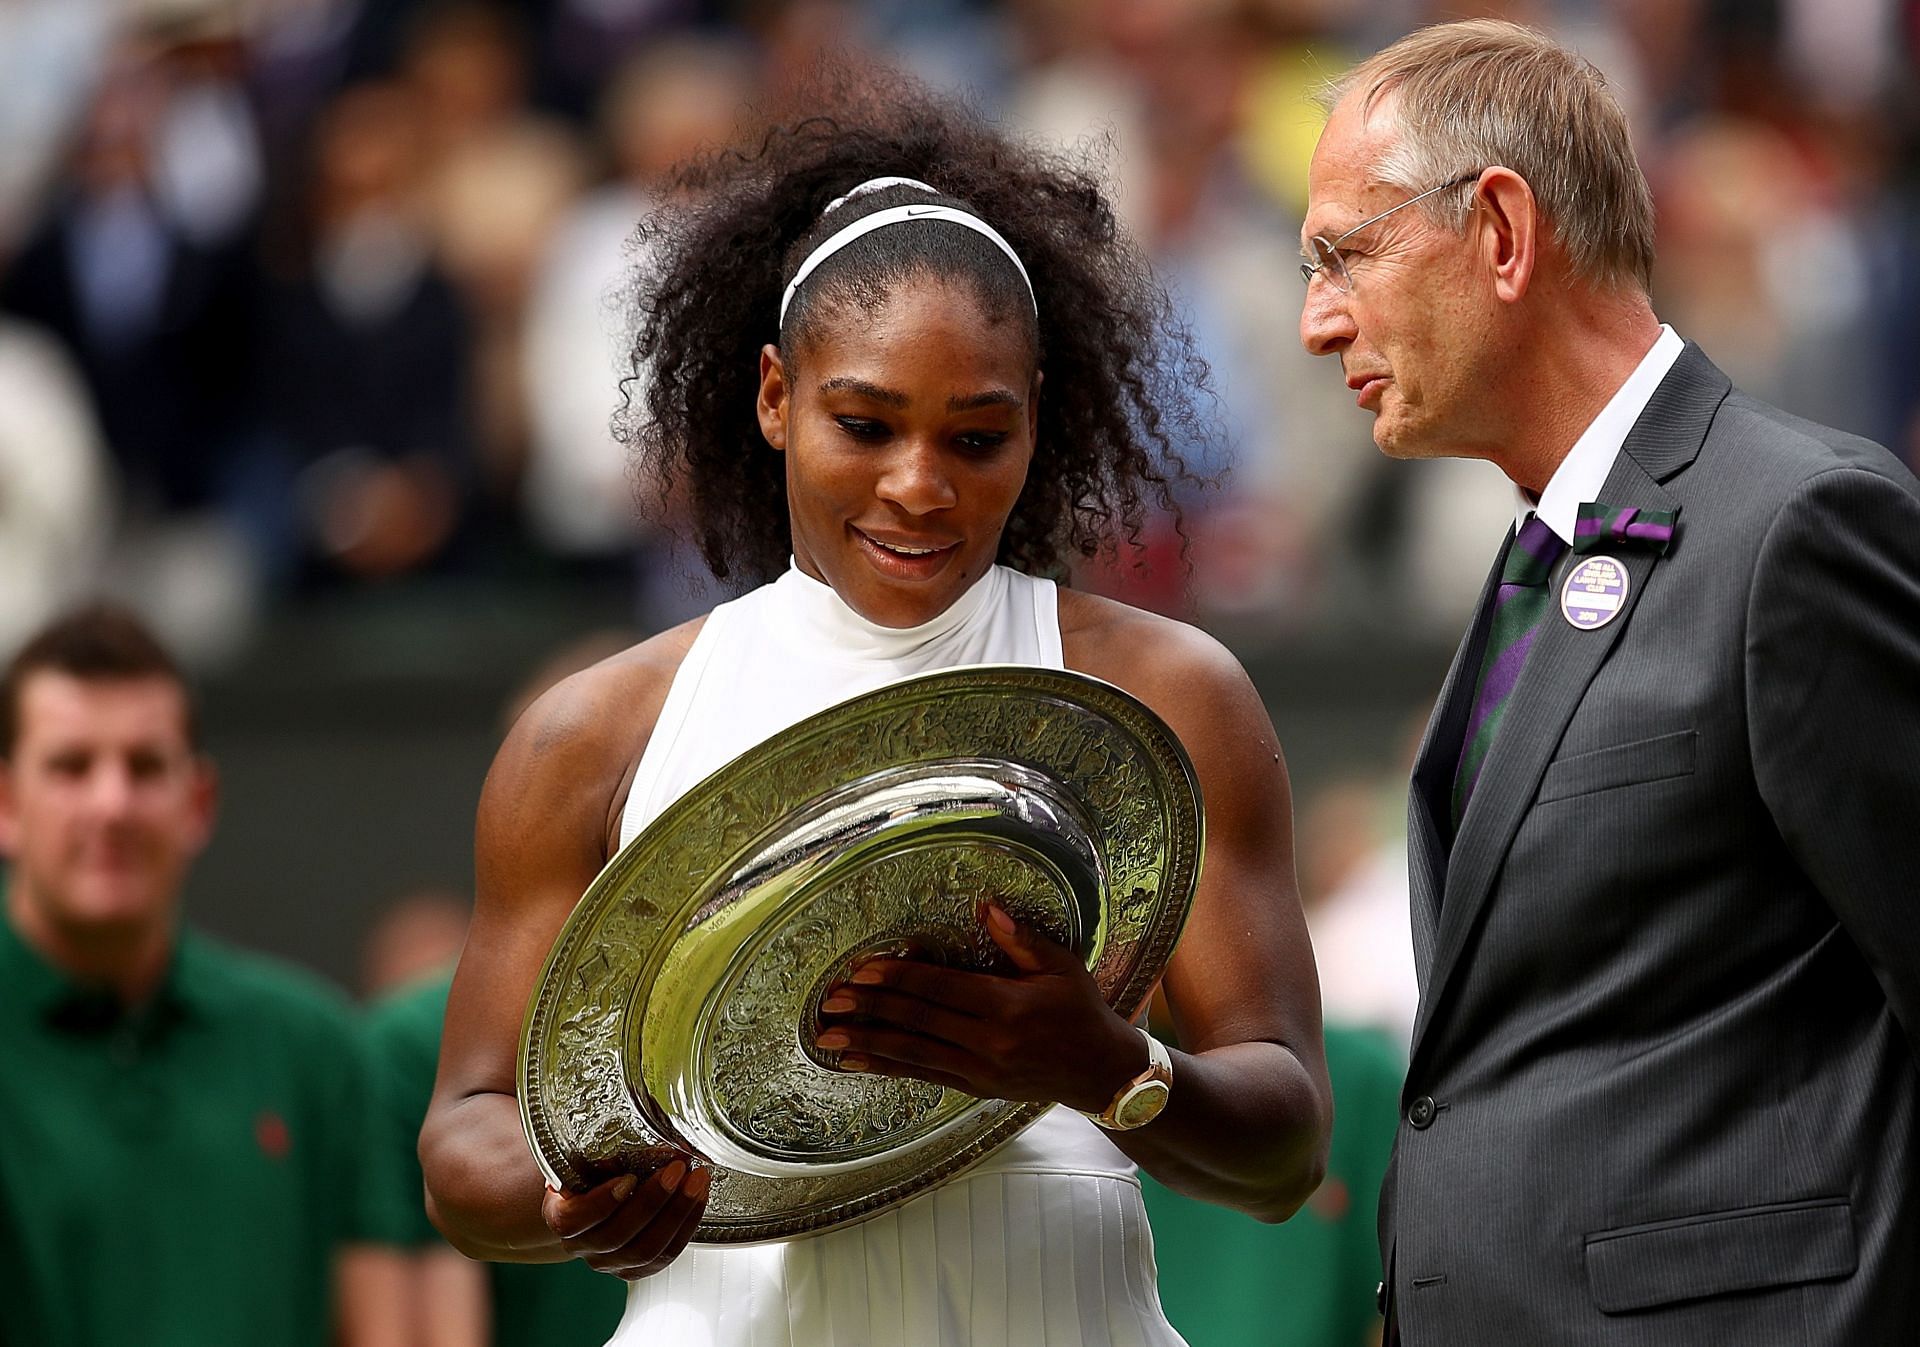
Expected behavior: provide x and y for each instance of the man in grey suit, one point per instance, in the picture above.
(1665, 823)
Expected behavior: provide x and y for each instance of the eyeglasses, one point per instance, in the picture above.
(1326, 253)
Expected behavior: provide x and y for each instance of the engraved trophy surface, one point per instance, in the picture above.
(678, 1008)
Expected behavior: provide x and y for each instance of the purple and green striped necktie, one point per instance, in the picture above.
(1517, 609)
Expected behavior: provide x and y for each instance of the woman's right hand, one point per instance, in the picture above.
(629, 1226)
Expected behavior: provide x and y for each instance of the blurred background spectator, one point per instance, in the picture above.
(188, 1151)
(416, 1287)
(666, 102)
(1226, 1280)
(311, 328)
(54, 482)
(416, 936)
(342, 278)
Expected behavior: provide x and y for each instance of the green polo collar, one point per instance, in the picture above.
(59, 1001)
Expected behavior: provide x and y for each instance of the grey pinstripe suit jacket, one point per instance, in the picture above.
(1665, 1080)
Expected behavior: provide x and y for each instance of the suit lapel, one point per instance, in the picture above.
(1562, 663)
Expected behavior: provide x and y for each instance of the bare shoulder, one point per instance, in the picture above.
(607, 709)
(1164, 662)
(1197, 686)
(573, 750)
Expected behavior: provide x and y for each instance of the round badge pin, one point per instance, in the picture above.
(1594, 593)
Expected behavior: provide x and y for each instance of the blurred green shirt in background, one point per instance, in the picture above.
(1227, 1280)
(534, 1304)
(181, 1175)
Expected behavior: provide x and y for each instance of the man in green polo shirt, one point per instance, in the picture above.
(184, 1129)
(525, 1304)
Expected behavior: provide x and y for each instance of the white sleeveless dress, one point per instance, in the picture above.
(1044, 1243)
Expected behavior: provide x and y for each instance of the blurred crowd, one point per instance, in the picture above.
(311, 296)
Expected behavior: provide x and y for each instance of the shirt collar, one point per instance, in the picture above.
(1583, 472)
(52, 997)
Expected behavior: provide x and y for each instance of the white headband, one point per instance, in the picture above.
(878, 185)
(893, 215)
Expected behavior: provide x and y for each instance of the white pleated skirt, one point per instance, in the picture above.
(1003, 1258)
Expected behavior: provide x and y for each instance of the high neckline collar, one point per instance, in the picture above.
(817, 607)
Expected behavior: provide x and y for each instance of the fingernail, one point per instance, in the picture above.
(852, 1063)
(833, 1038)
(865, 976)
(623, 1187)
(837, 1002)
(1000, 919)
(670, 1176)
(698, 1185)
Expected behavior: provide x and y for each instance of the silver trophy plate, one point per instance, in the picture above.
(678, 1009)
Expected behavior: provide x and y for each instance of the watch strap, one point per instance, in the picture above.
(1159, 1071)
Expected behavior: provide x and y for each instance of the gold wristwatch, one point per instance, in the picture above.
(1141, 1099)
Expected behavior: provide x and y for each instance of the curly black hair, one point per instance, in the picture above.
(1123, 382)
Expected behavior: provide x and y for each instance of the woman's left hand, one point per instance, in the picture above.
(1042, 1034)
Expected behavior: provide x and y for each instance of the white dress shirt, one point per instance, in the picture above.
(1583, 472)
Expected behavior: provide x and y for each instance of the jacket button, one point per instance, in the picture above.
(1420, 1112)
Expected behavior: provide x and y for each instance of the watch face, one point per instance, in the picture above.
(1141, 1106)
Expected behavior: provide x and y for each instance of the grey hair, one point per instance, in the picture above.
(1484, 92)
